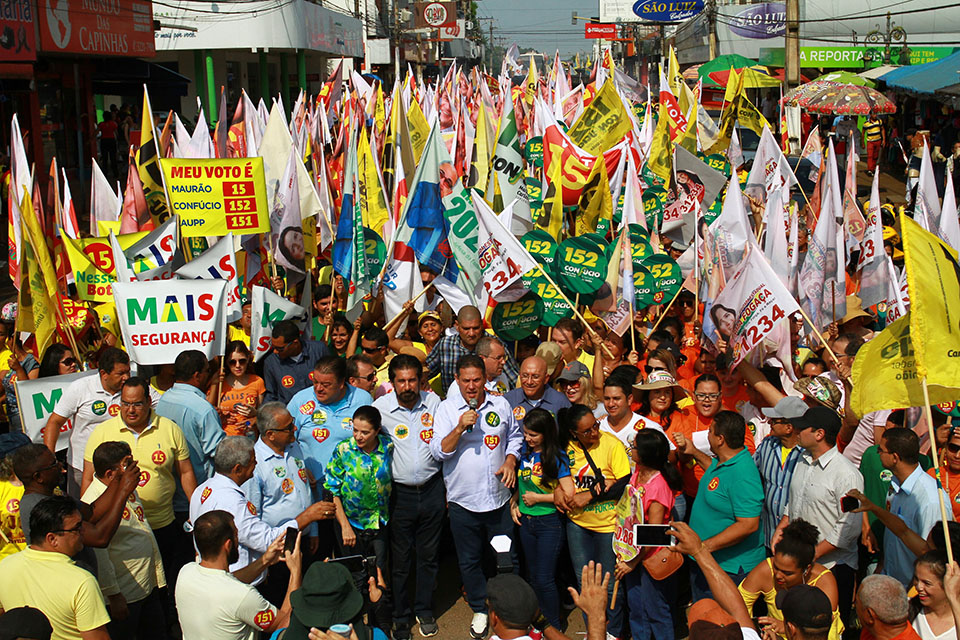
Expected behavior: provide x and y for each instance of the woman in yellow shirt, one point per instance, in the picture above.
(792, 564)
(12, 539)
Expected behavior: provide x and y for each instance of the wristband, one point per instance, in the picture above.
(541, 623)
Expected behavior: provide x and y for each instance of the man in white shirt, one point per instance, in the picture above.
(620, 420)
(214, 604)
(234, 463)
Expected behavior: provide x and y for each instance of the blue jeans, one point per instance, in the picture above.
(472, 533)
(649, 601)
(542, 538)
(586, 545)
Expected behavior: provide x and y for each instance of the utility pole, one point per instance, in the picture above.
(490, 40)
(792, 45)
(712, 27)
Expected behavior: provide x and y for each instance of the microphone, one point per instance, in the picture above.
(473, 404)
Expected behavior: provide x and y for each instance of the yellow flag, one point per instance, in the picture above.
(480, 160)
(371, 196)
(551, 216)
(885, 372)
(596, 201)
(36, 300)
(734, 86)
(603, 123)
(148, 167)
(660, 150)
(380, 112)
(933, 279)
(750, 117)
(531, 85)
(419, 130)
(689, 138)
(674, 77)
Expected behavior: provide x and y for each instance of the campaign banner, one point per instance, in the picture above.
(215, 197)
(37, 399)
(219, 262)
(266, 310)
(159, 320)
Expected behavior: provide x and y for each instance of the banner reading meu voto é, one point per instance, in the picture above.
(160, 320)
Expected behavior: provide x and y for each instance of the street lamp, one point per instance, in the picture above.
(893, 33)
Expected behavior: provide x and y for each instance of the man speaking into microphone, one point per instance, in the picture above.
(478, 441)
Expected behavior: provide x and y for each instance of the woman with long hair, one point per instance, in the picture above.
(659, 396)
(241, 392)
(651, 494)
(581, 391)
(340, 332)
(934, 620)
(792, 564)
(58, 360)
(543, 467)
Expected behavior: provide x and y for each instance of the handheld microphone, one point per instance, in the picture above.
(473, 404)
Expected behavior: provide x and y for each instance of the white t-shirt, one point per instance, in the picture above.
(214, 605)
(626, 434)
(863, 437)
(922, 627)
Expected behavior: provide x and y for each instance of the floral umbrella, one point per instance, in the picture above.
(822, 96)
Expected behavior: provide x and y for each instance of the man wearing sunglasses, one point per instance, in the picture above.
(288, 368)
(361, 373)
(43, 575)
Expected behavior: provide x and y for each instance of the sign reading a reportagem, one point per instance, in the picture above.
(667, 10)
(215, 197)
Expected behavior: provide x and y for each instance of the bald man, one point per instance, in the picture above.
(533, 391)
(443, 359)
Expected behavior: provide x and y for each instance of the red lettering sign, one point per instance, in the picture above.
(97, 27)
(598, 30)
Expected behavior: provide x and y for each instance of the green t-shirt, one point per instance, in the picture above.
(318, 329)
(876, 483)
(726, 492)
(530, 480)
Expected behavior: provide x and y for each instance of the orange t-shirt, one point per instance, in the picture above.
(952, 482)
(250, 394)
(734, 402)
(688, 422)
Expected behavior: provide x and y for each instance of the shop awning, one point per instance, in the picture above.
(926, 78)
(876, 72)
(127, 77)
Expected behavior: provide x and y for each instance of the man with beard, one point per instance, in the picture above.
(418, 497)
(214, 604)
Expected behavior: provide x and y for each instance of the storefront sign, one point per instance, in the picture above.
(18, 40)
(852, 57)
(97, 27)
(430, 15)
(595, 30)
(760, 21)
(667, 10)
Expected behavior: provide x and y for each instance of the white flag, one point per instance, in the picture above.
(926, 210)
(266, 310)
(155, 249)
(105, 205)
(286, 232)
(732, 227)
(775, 247)
(503, 260)
(949, 230)
(218, 263)
(121, 264)
(401, 283)
(764, 173)
(874, 276)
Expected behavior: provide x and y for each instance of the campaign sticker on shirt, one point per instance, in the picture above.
(263, 619)
(537, 469)
(286, 381)
(492, 419)
(319, 417)
(303, 475)
(287, 486)
(426, 420)
(280, 471)
(519, 412)
(252, 509)
(498, 389)
(426, 435)
(307, 409)
(158, 457)
(126, 513)
(347, 423)
(401, 431)
(299, 463)
(99, 407)
(713, 484)
(13, 505)
(144, 478)
(491, 442)
(113, 410)
(139, 512)
(206, 494)
(321, 434)
(886, 475)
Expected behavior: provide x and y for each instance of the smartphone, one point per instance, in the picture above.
(290, 540)
(848, 504)
(652, 535)
(359, 564)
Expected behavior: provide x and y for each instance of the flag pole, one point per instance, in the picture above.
(928, 412)
(819, 335)
(414, 299)
(663, 314)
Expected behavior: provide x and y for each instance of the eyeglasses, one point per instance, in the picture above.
(132, 405)
(242, 362)
(686, 303)
(706, 396)
(75, 529)
(595, 427)
(69, 362)
(55, 464)
(953, 448)
(370, 377)
(497, 358)
(649, 368)
(286, 429)
(371, 349)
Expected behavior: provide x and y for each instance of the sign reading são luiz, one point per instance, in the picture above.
(158, 321)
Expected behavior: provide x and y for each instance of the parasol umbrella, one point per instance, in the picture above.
(723, 63)
(845, 77)
(823, 96)
(755, 77)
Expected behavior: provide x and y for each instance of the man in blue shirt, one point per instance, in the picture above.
(323, 413)
(534, 392)
(478, 441)
(418, 500)
(287, 369)
(776, 458)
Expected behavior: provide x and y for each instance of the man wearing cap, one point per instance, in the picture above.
(551, 354)
(807, 614)
(478, 441)
(534, 392)
(445, 354)
(776, 458)
(418, 498)
(215, 604)
(513, 607)
(820, 479)
(24, 622)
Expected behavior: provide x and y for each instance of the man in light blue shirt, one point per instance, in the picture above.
(534, 392)
(913, 498)
(323, 413)
(418, 498)
(185, 403)
(478, 441)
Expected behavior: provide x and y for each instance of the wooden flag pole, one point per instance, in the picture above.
(663, 314)
(933, 450)
(400, 315)
(819, 335)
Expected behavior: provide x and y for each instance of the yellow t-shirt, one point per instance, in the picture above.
(12, 539)
(68, 595)
(237, 333)
(157, 450)
(611, 458)
(587, 360)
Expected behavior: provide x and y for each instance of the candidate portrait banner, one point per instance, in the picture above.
(216, 197)
(159, 320)
(37, 399)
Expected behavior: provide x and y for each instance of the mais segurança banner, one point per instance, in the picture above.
(160, 320)
(215, 197)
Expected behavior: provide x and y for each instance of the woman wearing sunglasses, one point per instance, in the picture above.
(58, 360)
(241, 393)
